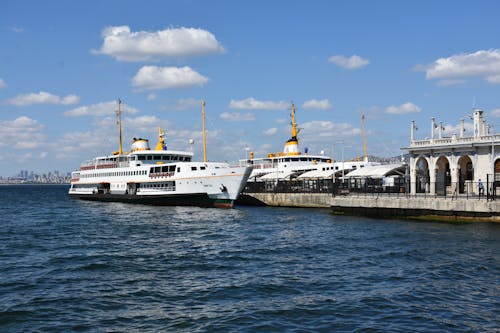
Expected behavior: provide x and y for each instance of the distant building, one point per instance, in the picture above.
(457, 164)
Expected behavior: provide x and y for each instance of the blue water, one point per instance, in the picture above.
(76, 266)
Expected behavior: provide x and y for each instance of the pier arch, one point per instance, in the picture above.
(422, 175)
(497, 168)
(465, 170)
(443, 175)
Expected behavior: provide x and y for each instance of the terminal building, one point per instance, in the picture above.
(456, 164)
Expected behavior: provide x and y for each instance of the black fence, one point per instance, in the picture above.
(398, 186)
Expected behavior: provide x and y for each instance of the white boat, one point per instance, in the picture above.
(291, 163)
(158, 176)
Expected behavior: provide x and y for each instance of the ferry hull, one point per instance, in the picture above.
(191, 199)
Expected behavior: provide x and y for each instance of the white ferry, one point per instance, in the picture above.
(158, 177)
(291, 163)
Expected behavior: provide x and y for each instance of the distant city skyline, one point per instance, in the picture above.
(63, 65)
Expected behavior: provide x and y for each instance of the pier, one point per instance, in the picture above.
(378, 204)
(453, 178)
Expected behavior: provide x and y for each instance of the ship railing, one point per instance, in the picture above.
(160, 174)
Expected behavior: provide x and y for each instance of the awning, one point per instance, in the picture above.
(378, 171)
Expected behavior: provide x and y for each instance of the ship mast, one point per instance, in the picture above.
(203, 130)
(365, 151)
(294, 124)
(119, 115)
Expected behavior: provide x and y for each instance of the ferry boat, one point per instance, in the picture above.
(291, 163)
(158, 176)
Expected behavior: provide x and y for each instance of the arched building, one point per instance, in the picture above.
(457, 164)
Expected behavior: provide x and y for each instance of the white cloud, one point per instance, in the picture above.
(323, 104)
(187, 103)
(270, 132)
(482, 63)
(100, 109)
(43, 98)
(124, 45)
(2, 84)
(151, 97)
(351, 62)
(21, 133)
(236, 116)
(455, 129)
(405, 108)
(321, 135)
(495, 113)
(253, 104)
(323, 128)
(154, 77)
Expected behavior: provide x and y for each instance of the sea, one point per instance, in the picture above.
(74, 266)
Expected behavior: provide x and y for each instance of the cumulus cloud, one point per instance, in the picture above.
(155, 78)
(253, 104)
(323, 104)
(2, 84)
(187, 103)
(100, 109)
(150, 97)
(42, 98)
(482, 63)
(455, 129)
(270, 132)
(320, 134)
(21, 133)
(351, 62)
(495, 113)
(405, 108)
(236, 116)
(125, 45)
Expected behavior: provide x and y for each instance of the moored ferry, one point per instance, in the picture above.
(292, 163)
(158, 176)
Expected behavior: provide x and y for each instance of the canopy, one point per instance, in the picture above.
(378, 171)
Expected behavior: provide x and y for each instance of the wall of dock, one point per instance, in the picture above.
(382, 206)
(314, 200)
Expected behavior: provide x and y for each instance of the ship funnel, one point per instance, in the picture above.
(139, 144)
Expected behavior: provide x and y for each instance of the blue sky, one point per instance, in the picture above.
(63, 64)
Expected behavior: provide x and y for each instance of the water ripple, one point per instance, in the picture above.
(69, 265)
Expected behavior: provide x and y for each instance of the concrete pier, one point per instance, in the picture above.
(384, 206)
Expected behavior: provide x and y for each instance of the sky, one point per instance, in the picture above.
(64, 64)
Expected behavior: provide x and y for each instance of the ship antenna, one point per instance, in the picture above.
(203, 130)
(119, 115)
(294, 124)
(365, 151)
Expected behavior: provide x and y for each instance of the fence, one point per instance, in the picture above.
(379, 186)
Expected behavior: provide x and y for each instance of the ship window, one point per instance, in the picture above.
(142, 157)
(202, 168)
(179, 169)
(193, 168)
(171, 168)
(149, 157)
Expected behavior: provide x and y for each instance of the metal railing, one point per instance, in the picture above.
(375, 187)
